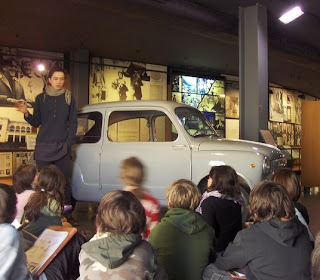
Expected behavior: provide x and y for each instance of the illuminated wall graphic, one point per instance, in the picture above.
(207, 95)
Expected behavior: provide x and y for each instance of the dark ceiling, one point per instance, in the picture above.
(183, 33)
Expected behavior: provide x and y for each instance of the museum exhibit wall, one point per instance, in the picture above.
(117, 80)
(20, 79)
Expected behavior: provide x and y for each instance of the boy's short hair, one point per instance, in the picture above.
(132, 172)
(8, 203)
(183, 194)
(23, 177)
(270, 200)
(120, 212)
(289, 180)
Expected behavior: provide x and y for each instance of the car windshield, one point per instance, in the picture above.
(195, 122)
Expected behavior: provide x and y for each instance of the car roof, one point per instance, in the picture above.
(134, 103)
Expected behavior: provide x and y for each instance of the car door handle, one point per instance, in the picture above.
(179, 146)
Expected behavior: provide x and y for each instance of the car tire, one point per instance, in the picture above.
(203, 184)
(245, 203)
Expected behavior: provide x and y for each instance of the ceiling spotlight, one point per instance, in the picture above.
(41, 67)
(291, 15)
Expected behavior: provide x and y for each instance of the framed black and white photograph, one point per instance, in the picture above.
(22, 76)
(276, 105)
(116, 80)
(21, 79)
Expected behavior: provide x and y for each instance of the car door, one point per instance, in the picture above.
(86, 155)
(152, 136)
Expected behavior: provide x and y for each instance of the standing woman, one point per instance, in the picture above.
(55, 114)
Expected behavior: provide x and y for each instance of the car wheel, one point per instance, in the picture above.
(245, 203)
(203, 184)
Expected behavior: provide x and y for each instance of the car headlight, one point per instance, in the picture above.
(266, 166)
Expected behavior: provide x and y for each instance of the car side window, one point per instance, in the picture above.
(89, 127)
(140, 126)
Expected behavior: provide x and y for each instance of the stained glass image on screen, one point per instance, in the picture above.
(207, 103)
(191, 99)
(210, 116)
(204, 85)
(175, 83)
(189, 84)
(176, 96)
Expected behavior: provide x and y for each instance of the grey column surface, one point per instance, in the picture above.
(253, 71)
(79, 75)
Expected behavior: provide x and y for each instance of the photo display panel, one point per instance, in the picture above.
(205, 94)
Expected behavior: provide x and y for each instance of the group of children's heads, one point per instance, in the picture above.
(50, 179)
(268, 200)
(121, 212)
(48, 183)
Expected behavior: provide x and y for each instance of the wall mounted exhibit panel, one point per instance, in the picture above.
(310, 148)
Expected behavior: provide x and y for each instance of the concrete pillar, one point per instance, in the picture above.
(79, 75)
(253, 71)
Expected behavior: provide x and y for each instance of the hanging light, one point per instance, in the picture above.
(291, 15)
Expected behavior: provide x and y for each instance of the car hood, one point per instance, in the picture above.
(221, 144)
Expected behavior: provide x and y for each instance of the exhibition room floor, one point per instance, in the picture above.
(311, 200)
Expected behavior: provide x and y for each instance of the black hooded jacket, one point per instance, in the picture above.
(270, 250)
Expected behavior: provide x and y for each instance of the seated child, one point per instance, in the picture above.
(183, 239)
(132, 175)
(44, 207)
(289, 180)
(12, 257)
(275, 246)
(23, 180)
(117, 251)
(220, 205)
(13, 263)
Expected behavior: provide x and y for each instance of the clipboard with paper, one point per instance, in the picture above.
(46, 247)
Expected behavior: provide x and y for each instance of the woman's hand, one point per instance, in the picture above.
(22, 106)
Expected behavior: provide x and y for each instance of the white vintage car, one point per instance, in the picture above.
(172, 140)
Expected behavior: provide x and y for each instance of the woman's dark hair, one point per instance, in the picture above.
(289, 180)
(120, 212)
(51, 182)
(56, 69)
(269, 200)
(8, 203)
(225, 180)
(23, 177)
